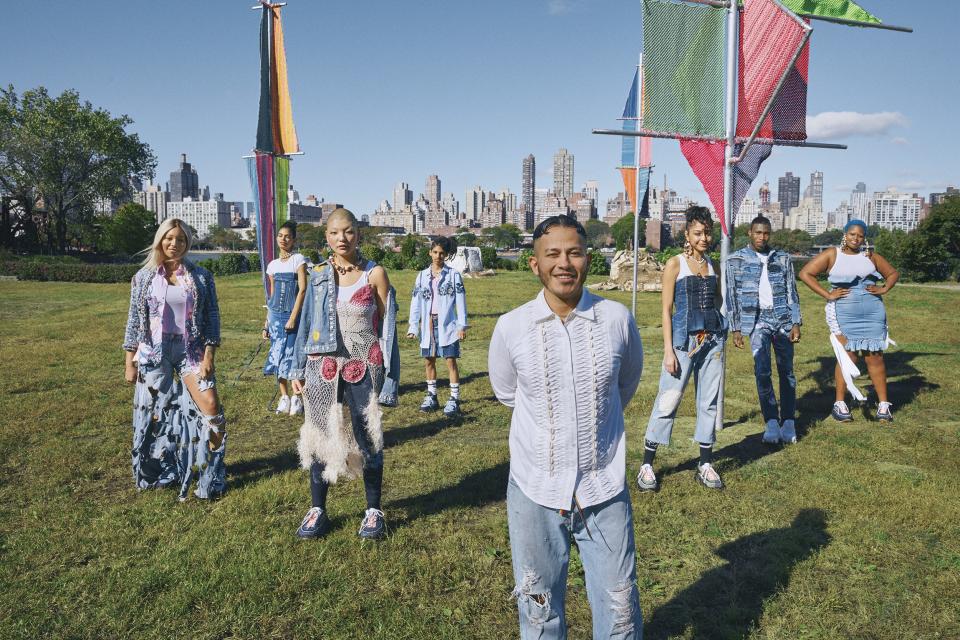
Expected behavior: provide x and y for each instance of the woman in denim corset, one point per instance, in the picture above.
(172, 334)
(855, 314)
(693, 337)
(287, 276)
(340, 365)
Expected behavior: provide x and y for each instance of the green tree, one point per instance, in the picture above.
(410, 247)
(740, 236)
(69, 153)
(466, 238)
(598, 264)
(223, 238)
(791, 240)
(598, 233)
(932, 251)
(622, 232)
(830, 236)
(505, 236)
(129, 230)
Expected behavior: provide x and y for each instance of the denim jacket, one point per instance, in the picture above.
(451, 307)
(743, 289)
(390, 346)
(317, 330)
(144, 319)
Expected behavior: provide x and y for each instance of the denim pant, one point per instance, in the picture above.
(170, 434)
(706, 366)
(768, 332)
(540, 546)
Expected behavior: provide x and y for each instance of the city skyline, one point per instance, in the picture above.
(365, 126)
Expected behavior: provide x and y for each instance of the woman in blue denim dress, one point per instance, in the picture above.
(694, 334)
(172, 333)
(288, 282)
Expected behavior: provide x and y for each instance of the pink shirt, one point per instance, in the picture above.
(434, 284)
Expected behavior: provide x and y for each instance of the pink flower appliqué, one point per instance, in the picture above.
(363, 296)
(354, 370)
(375, 356)
(328, 368)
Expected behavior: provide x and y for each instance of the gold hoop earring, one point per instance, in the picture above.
(687, 248)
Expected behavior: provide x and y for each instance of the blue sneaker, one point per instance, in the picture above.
(772, 433)
(840, 412)
(884, 414)
(452, 408)
(315, 524)
(373, 526)
(788, 432)
(429, 403)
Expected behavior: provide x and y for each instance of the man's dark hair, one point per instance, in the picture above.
(559, 221)
(290, 226)
(760, 220)
(448, 245)
(699, 214)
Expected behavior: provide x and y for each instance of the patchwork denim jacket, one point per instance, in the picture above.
(743, 289)
(144, 319)
(451, 307)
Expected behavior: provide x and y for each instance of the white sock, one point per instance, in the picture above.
(432, 387)
(455, 390)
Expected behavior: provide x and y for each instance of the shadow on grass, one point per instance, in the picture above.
(474, 491)
(727, 602)
(816, 404)
(398, 436)
(245, 472)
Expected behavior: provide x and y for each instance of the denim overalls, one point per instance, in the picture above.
(282, 298)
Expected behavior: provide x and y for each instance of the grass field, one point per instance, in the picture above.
(852, 533)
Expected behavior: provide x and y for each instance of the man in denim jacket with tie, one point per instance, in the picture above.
(762, 302)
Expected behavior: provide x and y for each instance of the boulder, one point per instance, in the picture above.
(649, 273)
(466, 260)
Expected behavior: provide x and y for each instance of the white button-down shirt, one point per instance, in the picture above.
(568, 383)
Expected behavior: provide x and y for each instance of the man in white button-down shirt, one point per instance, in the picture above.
(568, 362)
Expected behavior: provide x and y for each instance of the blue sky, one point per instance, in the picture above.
(394, 91)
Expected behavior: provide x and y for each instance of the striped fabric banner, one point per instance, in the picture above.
(275, 130)
(630, 176)
(265, 118)
(261, 171)
(281, 181)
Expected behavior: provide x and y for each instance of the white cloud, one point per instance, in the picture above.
(559, 7)
(844, 124)
(899, 140)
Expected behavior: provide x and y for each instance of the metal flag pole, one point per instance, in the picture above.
(733, 19)
(636, 189)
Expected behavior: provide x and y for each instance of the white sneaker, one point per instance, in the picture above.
(284, 405)
(772, 434)
(296, 405)
(788, 432)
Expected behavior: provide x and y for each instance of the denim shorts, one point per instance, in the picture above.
(435, 350)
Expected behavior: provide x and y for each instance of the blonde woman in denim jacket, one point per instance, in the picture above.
(438, 315)
(172, 333)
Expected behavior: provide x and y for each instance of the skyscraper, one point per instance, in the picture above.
(859, 201)
(432, 191)
(184, 182)
(402, 196)
(563, 173)
(528, 189)
(475, 200)
(788, 192)
(765, 194)
(814, 190)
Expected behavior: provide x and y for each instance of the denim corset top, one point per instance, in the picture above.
(284, 292)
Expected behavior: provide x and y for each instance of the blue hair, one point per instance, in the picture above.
(855, 223)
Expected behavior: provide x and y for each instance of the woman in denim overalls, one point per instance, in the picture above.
(288, 282)
(173, 331)
(694, 333)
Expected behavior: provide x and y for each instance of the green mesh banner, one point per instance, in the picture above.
(683, 60)
(831, 9)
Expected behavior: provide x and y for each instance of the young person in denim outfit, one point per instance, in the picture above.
(288, 284)
(855, 314)
(173, 329)
(694, 333)
(567, 363)
(762, 302)
(438, 314)
(339, 362)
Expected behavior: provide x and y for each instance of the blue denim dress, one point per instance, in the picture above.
(280, 360)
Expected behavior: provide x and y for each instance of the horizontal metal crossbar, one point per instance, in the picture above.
(676, 136)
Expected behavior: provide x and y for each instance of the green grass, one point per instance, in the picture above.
(852, 533)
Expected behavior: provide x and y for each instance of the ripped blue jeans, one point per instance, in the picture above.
(170, 434)
(540, 547)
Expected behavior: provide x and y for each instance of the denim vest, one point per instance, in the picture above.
(694, 308)
(317, 330)
(284, 295)
(744, 270)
